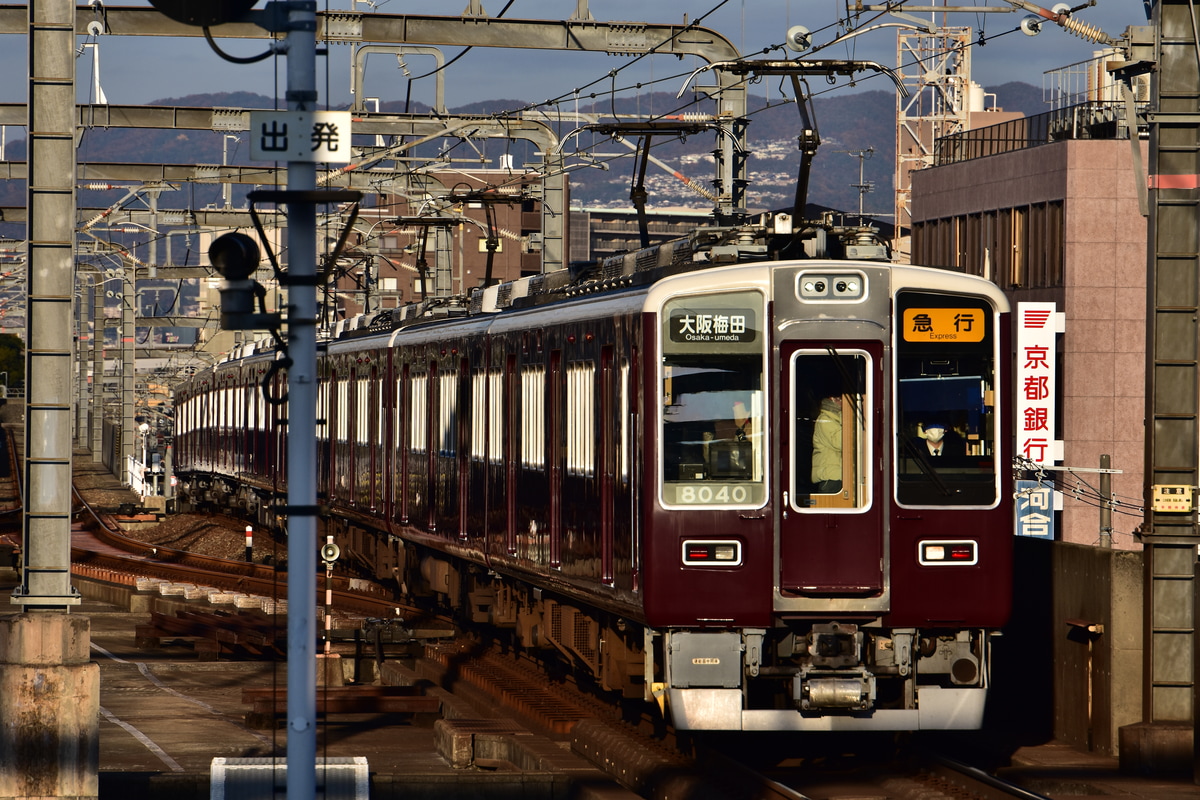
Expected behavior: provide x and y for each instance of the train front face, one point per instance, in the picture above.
(828, 542)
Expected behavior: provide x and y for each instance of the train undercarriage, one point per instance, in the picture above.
(802, 675)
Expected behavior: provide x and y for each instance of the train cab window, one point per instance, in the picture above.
(830, 432)
(713, 429)
(945, 425)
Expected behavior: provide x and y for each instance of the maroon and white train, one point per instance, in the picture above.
(620, 466)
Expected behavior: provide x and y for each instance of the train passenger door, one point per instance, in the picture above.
(831, 526)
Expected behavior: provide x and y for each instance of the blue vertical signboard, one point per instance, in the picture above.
(1035, 509)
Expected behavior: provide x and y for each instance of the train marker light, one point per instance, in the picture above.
(712, 552)
(946, 552)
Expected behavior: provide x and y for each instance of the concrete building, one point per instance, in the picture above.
(380, 267)
(1047, 207)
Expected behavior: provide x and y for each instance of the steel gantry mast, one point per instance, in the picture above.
(579, 34)
(1170, 533)
(49, 355)
(935, 67)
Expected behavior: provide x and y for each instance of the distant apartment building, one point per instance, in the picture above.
(602, 232)
(1047, 207)
(418, 244)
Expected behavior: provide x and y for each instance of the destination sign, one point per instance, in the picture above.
(715, 326)
(944, 325)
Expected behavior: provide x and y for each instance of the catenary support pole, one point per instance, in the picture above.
(302, 416)
(50, 198)
(97, 417)
(49, 717)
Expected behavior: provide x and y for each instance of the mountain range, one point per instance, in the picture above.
(852, 126)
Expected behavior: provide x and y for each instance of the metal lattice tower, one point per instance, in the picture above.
(936, 69)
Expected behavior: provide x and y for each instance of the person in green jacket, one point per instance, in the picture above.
(827, 447)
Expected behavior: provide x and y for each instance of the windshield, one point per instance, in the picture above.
(712, 401)
(945, 401)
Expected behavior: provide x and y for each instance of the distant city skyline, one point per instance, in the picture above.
(140, 70)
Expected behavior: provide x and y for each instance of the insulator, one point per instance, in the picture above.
(866, 236)
(100, 187)
(702, 191)
(1083, 30)
(691, 116)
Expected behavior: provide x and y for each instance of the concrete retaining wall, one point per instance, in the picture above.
(1103, 589)
(1048, 663)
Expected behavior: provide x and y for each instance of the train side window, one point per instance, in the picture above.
(479, 399)
(581, 422)
(448, 414)
(418, 404)
(362, 422)
(533, 417)
(495, 432)
(830, 430)
(343, 408)
(712, 403)
(322, 409)
(623, 441)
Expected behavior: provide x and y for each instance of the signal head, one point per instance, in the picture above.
(204, 13)
(235, 256)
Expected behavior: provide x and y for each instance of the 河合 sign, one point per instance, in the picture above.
(1035, 508)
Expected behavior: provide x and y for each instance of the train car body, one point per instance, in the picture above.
(715, 488)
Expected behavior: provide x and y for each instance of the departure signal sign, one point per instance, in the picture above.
(944, 325)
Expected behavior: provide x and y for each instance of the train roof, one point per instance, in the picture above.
(766, 238)
(620, 282)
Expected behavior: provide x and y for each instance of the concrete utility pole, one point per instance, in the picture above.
(302, 416)
(50, 197)
(49, 720)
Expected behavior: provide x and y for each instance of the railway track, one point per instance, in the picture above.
(648, 760)
(919, 776)
(633, 748)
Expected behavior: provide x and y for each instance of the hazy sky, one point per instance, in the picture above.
(139, 70)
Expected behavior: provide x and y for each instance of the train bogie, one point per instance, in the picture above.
(767, 496)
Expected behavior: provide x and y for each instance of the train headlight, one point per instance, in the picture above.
(851, 286)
